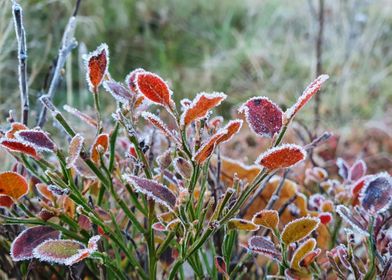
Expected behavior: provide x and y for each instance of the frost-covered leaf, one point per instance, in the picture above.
(264, 117)
(14, 145)
(357, 170)
(85, 223)
(23, 245)
(154, 88)
(267, 218)
(299, 229)
(158, 226)
(306, 247)
(241, 224)
(158, 123)
(183, 167)
(153, 190)
(6, 201)
(37, 139)
(232, 128)
(376, 195)
(311, 90)
(83, 169)
(284, 156)
(261, 245)
(74, 149)
(220, 265)
(130, 80)
(44, 190)
(15, 127)
(118, 91)
(348, 217)
(200, 106)
(97, 66)
(206, 150)
(82, 116)
(13, 185)
(59, 251)
(325, 218)
(343, 168)
(310, 257)
(100, 146)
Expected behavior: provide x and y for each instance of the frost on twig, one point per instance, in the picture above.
(22, 57)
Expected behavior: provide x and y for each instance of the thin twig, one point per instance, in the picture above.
(67, 45)
(22, 57)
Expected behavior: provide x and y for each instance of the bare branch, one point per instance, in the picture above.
(22, 57)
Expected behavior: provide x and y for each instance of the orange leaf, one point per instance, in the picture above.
(284, 156)
(206, 150)
(301, 251)
(232, 128)
(200, 106)
(14, 145)
(101, 142)
(97, 66)
(44, 191)
(13, 185)
(267, 218)
(15, 127)
(299, 229)
(153, 88)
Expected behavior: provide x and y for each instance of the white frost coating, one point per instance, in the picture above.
(314, 243)
(268, 252)
(243, 221)
(133, 73)
(93, 243)
(34, 145)
(185, 102)
(317, 220)
(76, 142)
(282, 147)
(116, 96)
(340, 209)
(290, 112)
(172, 223)
(156, 76)
(86, 118)
(362, 194)
(195, 101)
(86, 58)
(222, 132)
(226, 128)
(358, 162)
(149, 194)
(245, 110)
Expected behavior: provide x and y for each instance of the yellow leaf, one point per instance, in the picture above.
(299, 229)
(266, 218)
(241, 224)
(301, 251)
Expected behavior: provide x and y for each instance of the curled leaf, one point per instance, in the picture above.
(241, 224)
(13, 185)
(153, 190)
(261, 245)
(311, 90)
(44, 190)
(97, 66)
(100, 146)
(306, 247)
(74, 149)
(299, 229)
(267, 218)
(284, 156)
(154, 88)
(118, 91)
(23, 245)
(206, 150)
(14, 145)
(15, 127)
(232, 128)
(6, 201)
(376, 195)
(200, 106)
(37, 139)
(264, 117)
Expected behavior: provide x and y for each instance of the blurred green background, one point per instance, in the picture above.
(241, 47)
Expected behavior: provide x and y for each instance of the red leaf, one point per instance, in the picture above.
(37, 139)
(14, 145)
(284, 156)
(200, 106)
(154, 88)
(325, 218)
(5, 201)
(263, 116)
(23, 245)
(220, 265)
(153, 190)
(97, 66)
(311, 90)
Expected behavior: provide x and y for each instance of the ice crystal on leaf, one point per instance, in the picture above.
(97, 66)
(15, 145)
(37, 139)
(348, 217)
(74, 149)
(376, 195)
(241, 224)
(118, 91)
(82, 116)
(284, 156)
(154, 88)
(100, 146)
(299, 229)
(15, 127)
(266, 218)
(13, 185)
(306, 247)
(158, 123)
(261, 245)
(263, 116)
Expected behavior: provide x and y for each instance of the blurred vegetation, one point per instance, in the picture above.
(241, 47)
